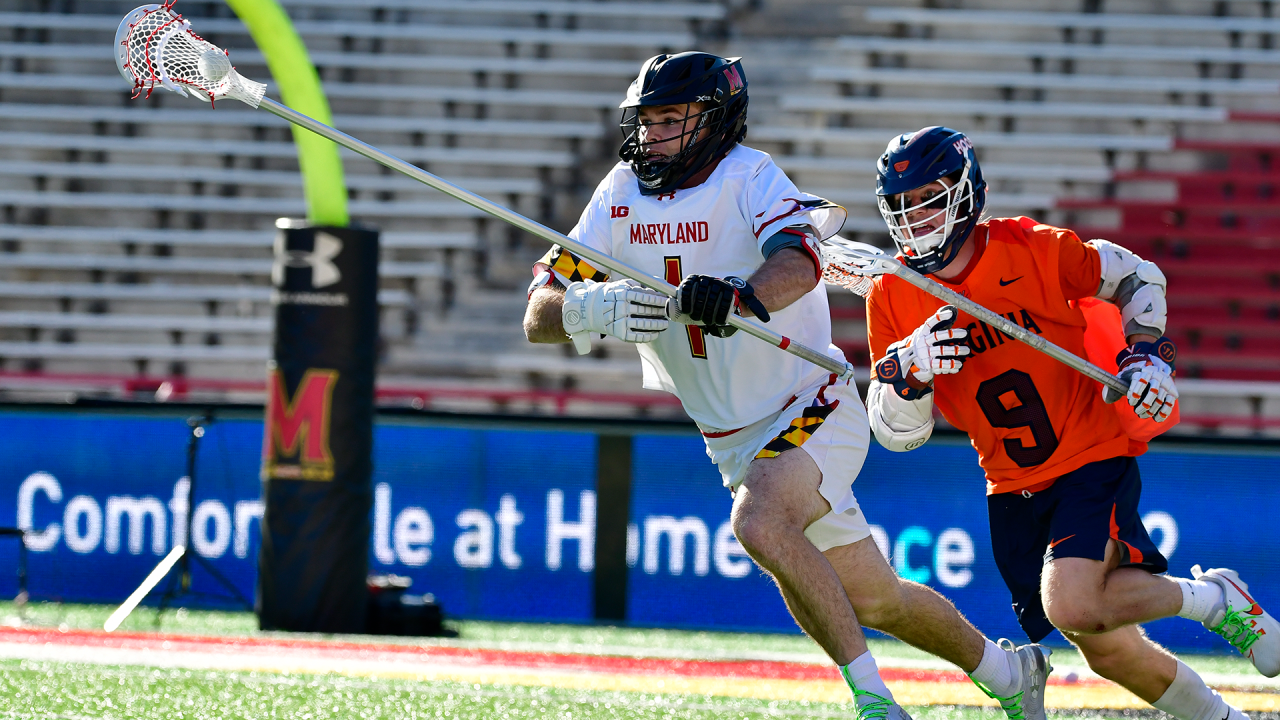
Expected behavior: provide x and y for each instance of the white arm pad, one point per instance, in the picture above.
(1137, 286)
(900, 425)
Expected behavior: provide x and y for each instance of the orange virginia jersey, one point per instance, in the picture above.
(1031, 418)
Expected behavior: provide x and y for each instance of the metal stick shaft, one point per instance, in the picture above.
(617, 267)
(1010, 328)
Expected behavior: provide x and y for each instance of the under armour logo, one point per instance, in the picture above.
(668, 196)
(323, 271)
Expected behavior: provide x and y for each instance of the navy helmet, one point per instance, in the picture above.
(717, 83)
(943, 220)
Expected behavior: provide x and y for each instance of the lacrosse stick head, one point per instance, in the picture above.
(854, 265)
(155, 47)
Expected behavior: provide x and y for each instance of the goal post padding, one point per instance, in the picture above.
(299, 86)
(317, 453)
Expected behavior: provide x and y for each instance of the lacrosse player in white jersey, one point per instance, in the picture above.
(721, 221)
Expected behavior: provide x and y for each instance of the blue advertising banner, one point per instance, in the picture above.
(499, 521)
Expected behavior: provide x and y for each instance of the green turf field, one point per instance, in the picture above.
(42, 689)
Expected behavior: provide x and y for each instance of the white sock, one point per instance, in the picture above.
(995, 672)
(1199, 598)
(1188, 698)
(862, 674)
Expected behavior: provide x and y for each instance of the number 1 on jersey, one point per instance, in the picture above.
(697, 339)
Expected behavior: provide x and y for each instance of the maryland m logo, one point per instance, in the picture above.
(295, 444)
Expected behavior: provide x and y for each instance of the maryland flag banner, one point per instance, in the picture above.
(317, 445)
(571, 268)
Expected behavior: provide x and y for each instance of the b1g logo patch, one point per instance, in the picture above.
(619, 211)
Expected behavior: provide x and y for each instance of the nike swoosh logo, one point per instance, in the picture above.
(1004, 282)
(1253, 609)
(1055, 542)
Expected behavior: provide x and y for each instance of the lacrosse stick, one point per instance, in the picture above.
(156, 47)
(854, 266)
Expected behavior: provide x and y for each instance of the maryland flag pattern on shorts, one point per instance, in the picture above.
(571, 267)
(801, 429)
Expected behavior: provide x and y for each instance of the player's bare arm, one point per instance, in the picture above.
(787, 274)
(783, 279)
(542, 317)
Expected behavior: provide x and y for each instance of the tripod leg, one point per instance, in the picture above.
(208, 566)
(169, 594)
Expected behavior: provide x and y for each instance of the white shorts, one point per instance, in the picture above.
(830, 423)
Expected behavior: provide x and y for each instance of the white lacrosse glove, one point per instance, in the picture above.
(1148, 370)
(624, 309)
(935, 348)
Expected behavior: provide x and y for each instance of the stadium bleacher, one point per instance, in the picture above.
(1155, 127)
(1135, 123)
(497, 98)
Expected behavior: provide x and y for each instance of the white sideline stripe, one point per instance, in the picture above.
(398, 665)
(151, 581)
(394, 665)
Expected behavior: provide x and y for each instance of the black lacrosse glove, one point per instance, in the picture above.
(709, 301)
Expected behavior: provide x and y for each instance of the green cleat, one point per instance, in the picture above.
(1242, 622)
(1028, 702)
(874, 707)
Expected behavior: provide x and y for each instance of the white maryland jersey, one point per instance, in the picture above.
(717, 228)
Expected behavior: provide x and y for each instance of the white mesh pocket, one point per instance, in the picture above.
(157, 47)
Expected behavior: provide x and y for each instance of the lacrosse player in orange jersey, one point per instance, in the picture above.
(1062, 482)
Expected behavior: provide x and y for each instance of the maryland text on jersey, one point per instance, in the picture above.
(676, 233)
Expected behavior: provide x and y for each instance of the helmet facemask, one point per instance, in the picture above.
(668, 171)
(948, 213)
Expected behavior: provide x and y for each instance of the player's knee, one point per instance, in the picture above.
(1075, 614)
(1110, 663)
(755, 531)
(878, 609)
